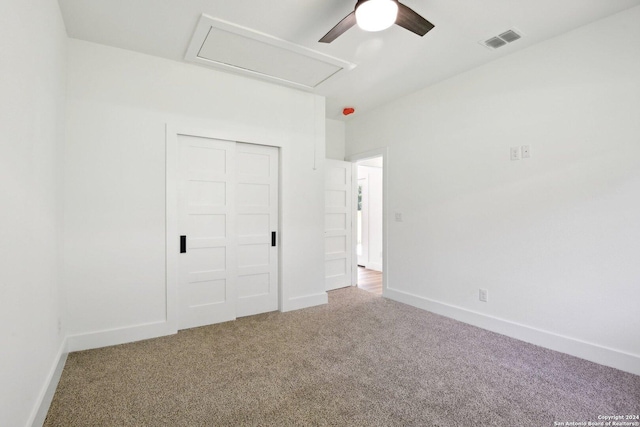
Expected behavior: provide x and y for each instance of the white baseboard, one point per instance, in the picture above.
(40, 410)
(146, 331)
(593, 352)
(305, 301)
(119, 336)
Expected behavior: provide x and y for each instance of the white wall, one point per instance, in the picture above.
(335, 134)
(556, 238)
(32, 89)
(373, 212)
(118, 104)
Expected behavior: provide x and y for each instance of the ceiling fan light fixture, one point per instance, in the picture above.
(376, 15)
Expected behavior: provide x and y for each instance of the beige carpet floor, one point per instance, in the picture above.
(361, 360)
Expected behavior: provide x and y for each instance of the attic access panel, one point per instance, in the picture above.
(229, 47)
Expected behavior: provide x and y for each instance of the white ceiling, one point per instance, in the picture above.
(390, 63)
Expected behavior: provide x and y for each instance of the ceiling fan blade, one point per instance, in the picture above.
(348, 22)
(412, 21)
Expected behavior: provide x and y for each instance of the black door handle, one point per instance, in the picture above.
(273, 238)
(183, 244)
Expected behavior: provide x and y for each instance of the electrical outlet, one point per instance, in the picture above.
(59, 326)
(526, 151)
(515, 153)
(398, 217)
(483, 295)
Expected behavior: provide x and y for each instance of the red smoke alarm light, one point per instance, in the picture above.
(348, 111)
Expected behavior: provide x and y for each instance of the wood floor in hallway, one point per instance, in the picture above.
(370, 280)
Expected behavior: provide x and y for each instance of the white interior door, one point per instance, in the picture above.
(371, 217)
(363, 244)
(227, 212)
(338, 237)
(206, 223)
(257, 228)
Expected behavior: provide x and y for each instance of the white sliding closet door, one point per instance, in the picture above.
(338, 239)
(207, 213)
(227, 211)
(257, 226)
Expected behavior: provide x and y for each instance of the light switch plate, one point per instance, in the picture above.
(515, 153)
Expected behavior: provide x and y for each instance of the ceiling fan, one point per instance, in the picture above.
(377, 15)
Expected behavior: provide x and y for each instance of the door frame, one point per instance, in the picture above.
(171, 208)
(356, 157)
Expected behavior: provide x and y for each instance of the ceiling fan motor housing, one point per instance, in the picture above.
(405, 17)
(376, 15)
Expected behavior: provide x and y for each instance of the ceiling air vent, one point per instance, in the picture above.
(508, 36)
(495, 42)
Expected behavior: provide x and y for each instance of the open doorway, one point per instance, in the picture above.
(369, 224)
